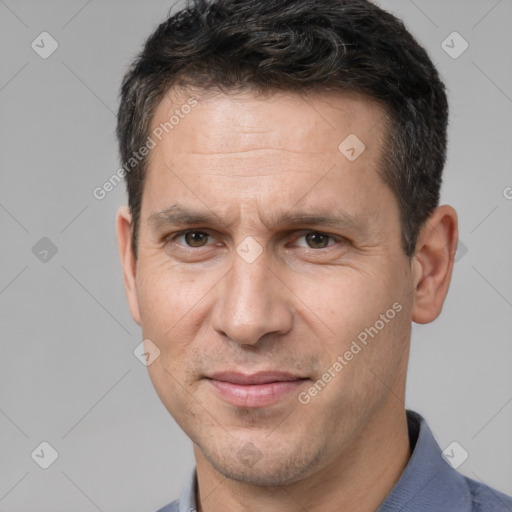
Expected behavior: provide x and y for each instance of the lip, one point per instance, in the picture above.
(254, 390)
(253, 378)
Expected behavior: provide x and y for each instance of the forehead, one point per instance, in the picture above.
(313, 122)
(267, 152)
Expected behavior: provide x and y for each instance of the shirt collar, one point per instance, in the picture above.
(188, 501)
(428, 483)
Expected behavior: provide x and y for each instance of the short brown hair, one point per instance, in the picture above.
(299, 45)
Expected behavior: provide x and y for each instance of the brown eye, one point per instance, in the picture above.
(195, 238)
(317, 240)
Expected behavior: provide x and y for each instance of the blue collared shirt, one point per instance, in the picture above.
(428, 483)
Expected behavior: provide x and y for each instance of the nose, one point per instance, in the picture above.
(252, 302)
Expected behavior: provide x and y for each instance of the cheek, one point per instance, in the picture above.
(164, 301)
(367, 320)
(169, 384)
(348, 301)
(166, 294)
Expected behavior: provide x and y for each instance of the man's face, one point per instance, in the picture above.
(251, 291)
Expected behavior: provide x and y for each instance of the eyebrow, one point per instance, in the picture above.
(183, 216)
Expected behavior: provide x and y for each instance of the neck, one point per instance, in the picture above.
(360, 478)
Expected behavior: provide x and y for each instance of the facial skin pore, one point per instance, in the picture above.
(247, 161)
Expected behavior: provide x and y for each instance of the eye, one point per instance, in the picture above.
(317, 240)
(196, 239)
(192, 239)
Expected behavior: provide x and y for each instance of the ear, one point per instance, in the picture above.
(433, 263)
(129, 265)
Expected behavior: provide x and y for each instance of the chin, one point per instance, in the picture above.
(268, 467)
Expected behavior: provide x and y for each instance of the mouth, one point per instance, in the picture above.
(254, 390)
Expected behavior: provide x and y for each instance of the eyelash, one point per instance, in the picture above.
(172, 238)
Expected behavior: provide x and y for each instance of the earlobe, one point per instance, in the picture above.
(128, 263)
(433, 264)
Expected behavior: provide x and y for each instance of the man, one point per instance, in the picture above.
(283, 162)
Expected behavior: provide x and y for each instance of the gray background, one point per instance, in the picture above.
(68, 373)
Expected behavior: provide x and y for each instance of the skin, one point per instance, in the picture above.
(297, 307)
